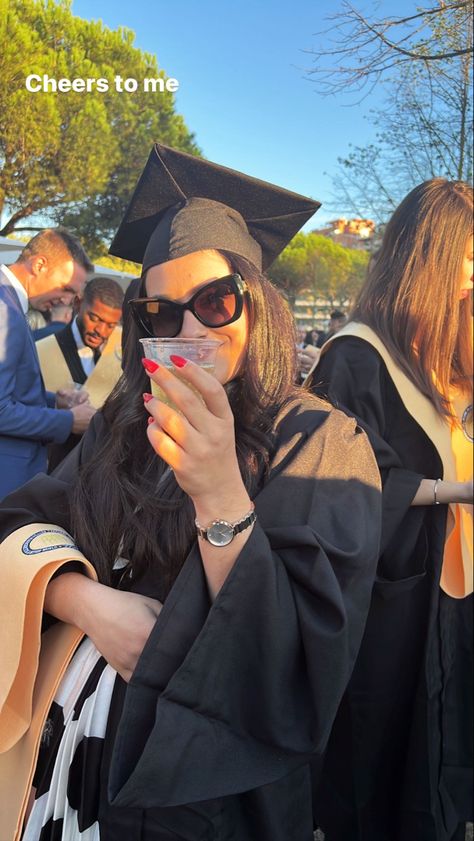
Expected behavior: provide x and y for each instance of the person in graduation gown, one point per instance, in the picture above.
(86, 352)
(399, 763)
(235, 543)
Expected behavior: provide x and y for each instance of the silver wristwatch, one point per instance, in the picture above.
(221, 532)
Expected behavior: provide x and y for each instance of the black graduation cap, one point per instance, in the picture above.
(183, 204)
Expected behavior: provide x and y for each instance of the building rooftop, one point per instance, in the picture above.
(351, 233)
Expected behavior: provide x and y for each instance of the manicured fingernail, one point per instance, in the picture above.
(150, 366)
(178, 360)
(147, 397)
(150, 420)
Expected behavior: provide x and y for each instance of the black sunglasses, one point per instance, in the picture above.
(217, 304)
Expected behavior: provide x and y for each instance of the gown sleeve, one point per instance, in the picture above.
(234, 697)
(353, 376)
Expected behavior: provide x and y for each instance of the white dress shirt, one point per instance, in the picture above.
(18, 287)
(86, 353)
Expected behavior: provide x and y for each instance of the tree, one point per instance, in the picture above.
(337, 272)
(75, 156)
(290, 270)
(424, 128)
(355, 279)
(107, 261)
(315, 265)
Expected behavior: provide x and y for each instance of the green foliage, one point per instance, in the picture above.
(318, 266)
(75, 156)
(290, 270)
(125, 266)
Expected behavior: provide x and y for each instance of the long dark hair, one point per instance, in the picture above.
(411, 297)
(126, 501)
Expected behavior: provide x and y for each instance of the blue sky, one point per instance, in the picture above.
(243, 92)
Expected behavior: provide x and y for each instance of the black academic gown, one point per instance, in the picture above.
(213, 737)
(399, 762)
(67, 343)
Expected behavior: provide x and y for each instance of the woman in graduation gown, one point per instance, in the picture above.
(215, 654)
(399, 763)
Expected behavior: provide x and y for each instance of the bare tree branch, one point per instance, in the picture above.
(424, 128)
(357, 52)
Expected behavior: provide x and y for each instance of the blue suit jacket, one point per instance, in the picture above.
(28, 421)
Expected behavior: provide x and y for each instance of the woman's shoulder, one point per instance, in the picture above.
(349, 368)
(316, 433)
(294, 411)
(354, 350)
(309, 413)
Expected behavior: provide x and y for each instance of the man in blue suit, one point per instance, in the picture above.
(51, 269)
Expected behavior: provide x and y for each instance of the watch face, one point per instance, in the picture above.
(220, 533)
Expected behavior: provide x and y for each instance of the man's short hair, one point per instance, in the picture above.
(105, 290)
(337, 315)
(56, 244)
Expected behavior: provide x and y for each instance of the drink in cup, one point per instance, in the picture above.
(202, 352)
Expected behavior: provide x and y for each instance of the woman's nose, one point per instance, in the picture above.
(192, 327)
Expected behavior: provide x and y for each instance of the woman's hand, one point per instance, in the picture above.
(198, 440)
(198, 443)
(118, 623)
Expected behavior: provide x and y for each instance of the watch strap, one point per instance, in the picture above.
(243, 524)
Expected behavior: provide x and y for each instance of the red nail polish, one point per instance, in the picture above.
(147, 397)
(150, 420)
(150, 366)
(178, 360)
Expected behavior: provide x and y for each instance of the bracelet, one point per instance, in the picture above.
(435, 489)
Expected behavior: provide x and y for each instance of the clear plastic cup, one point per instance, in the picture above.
(202, 352)
(70, 394)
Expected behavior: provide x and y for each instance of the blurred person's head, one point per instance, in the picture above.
(53, 268)
(100, 311)
(337, 319)
(419, 285)
(300, 335)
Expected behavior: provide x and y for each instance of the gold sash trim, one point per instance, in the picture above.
(32, 664)
(102, 379)
(455, 452)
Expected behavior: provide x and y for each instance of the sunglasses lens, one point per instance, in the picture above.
(217, 303)
(160, 319)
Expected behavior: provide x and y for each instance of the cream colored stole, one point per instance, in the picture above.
(31, 664)
(99, 383)
(455, 452)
